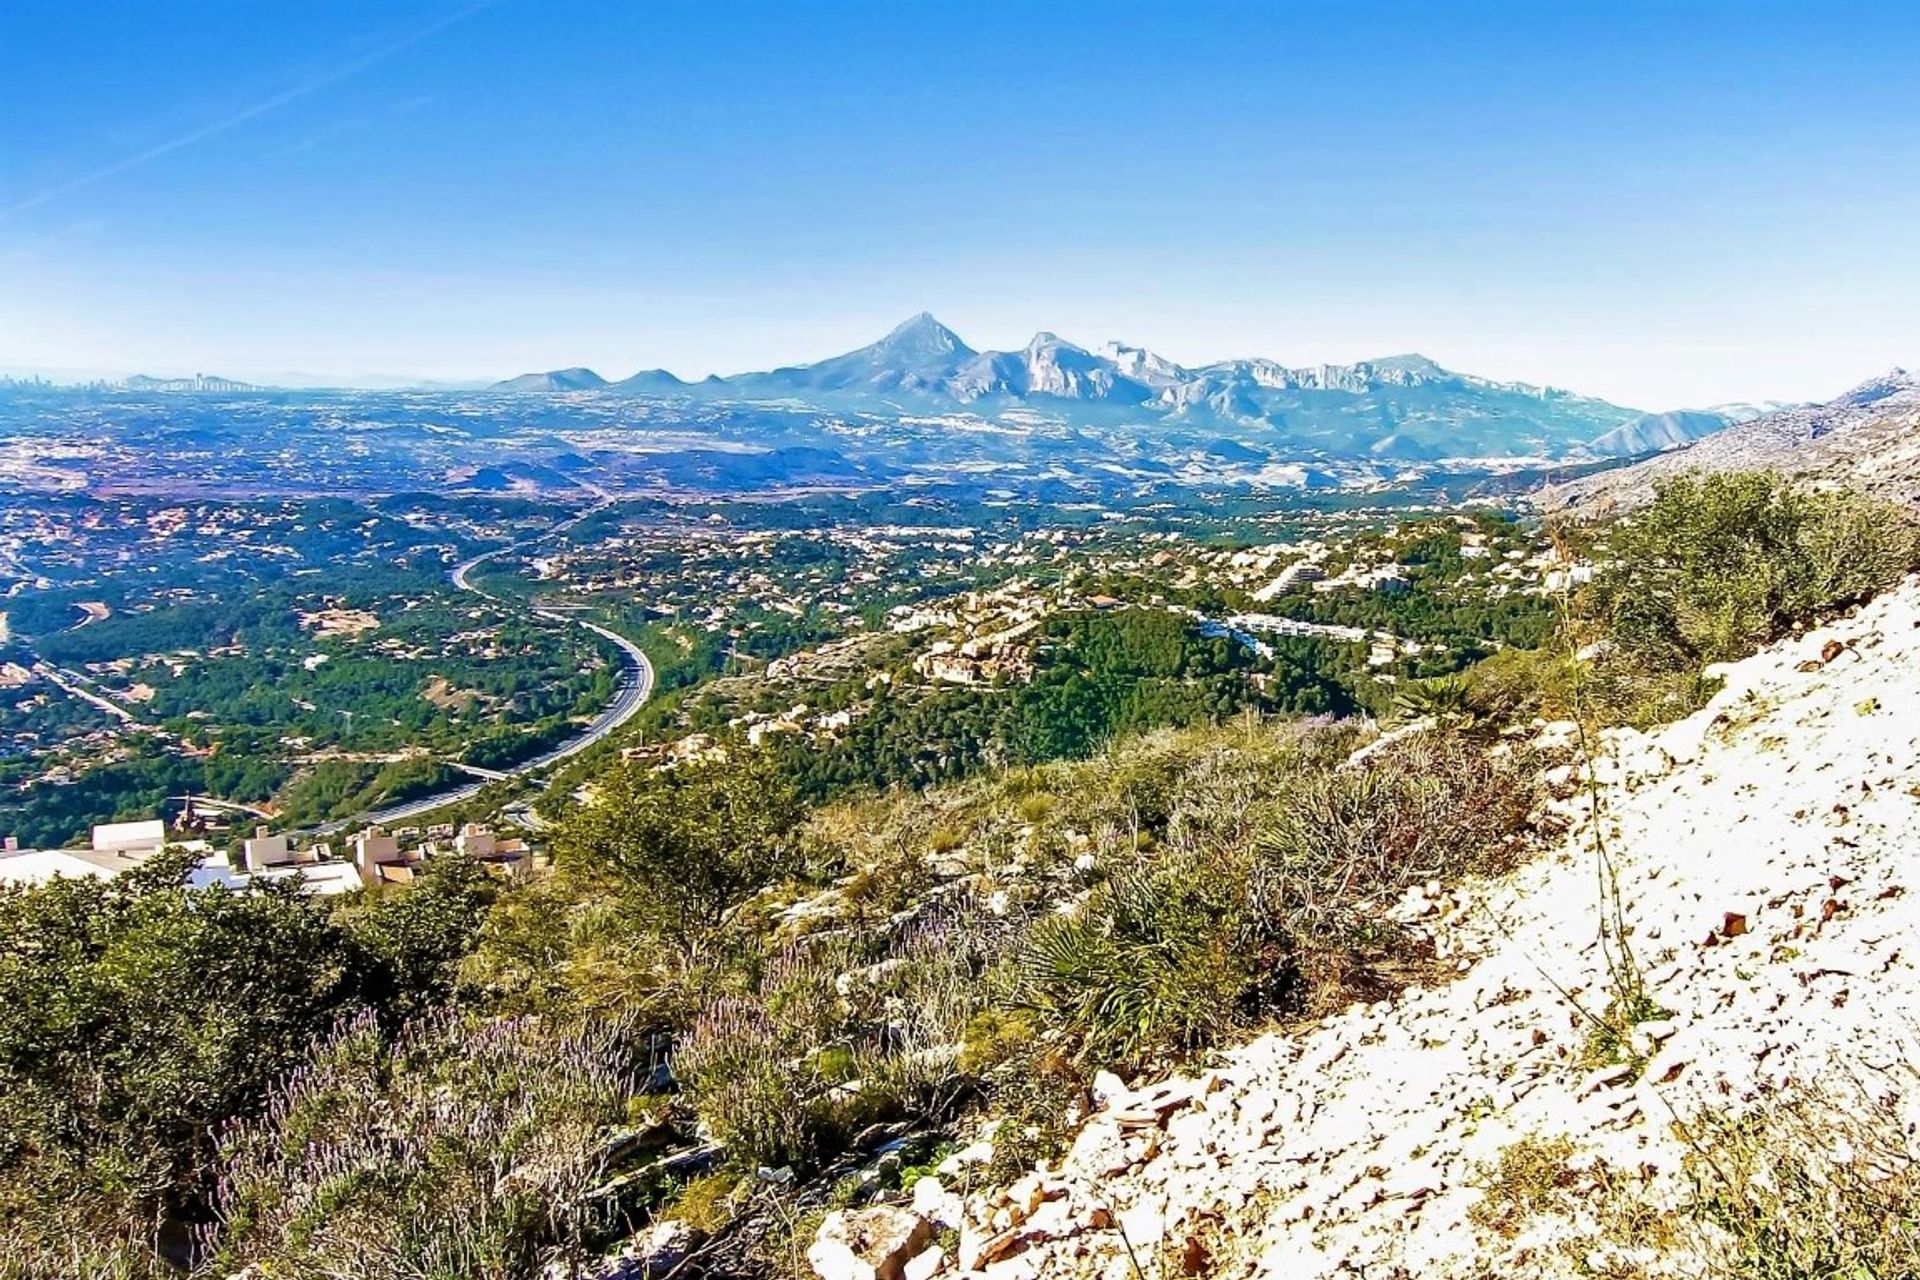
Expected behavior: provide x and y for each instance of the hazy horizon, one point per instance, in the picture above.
(1663, 206)
(373, 380)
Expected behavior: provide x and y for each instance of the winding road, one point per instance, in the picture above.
(636, 685)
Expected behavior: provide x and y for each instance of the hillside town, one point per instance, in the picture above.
(370, 858)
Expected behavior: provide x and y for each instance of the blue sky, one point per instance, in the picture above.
(1666, 204)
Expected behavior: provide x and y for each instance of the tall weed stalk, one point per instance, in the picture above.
(1628, 1001)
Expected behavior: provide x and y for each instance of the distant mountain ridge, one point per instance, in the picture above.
(1404, 408)
(1655, 432)
(557, 380)
(1866, 438)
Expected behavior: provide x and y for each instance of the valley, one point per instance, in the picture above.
(935, 835)
(887, 551)
(858, 772)
(873, 641)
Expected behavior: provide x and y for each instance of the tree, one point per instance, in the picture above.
(414, 939)
(684, 848)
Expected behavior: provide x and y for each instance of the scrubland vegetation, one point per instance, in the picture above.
(1820, 1183)
(724, 996)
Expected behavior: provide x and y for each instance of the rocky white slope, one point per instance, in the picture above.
(1867, 439)
(1769, 862)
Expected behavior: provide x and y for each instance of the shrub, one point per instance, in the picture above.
(1268, 894)
(1152, 962)
(417, 937)
(1720, 564)
(994, 1037)
(1443, 698)
(763, 1088)
(1435, 806)
(1531, 1177)
(464, 1149)
(1821, 1182)
(707, 1203)
(1036, 807)
(54, 1227)
(1816, 1184)
(137, 1016)
(893, 874)
(824, 1045)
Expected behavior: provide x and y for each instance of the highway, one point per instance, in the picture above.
(636, 685)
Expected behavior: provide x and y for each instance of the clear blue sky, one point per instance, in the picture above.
(1666, 204)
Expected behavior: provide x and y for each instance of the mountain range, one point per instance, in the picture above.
(1404, 408)
(1867, 439)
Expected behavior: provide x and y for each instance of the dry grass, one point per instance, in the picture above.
(1820, 1184)
(1825, 1183)
(1531, 1177)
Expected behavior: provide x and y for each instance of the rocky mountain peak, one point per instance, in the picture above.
(1413, 364)
(1896, 381)
(1143, 366)
(1405, 406)
(922, 337)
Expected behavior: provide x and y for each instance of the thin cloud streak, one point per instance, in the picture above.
(253, 112)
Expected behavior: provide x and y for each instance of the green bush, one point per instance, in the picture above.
(995, 1037)
(766, 1089)
(138, 1016)
(1155, 961)
(1517, 685)
(683, 849)
(1719, 565)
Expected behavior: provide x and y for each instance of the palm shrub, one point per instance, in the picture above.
(1157, 960)
(1442, 698)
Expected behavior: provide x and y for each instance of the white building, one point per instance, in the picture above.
(371, 848)
(475, 841)
(321, 878)
(264, 850)
(37, 866)
(132, 840)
